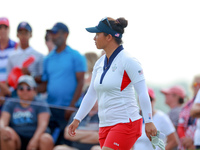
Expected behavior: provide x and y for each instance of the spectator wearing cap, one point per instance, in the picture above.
(63, 75)
(25, 52)
(7, 46)
(174, 98)
(163, 124)
(187, 124)
(24, 122)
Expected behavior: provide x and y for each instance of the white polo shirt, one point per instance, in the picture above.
(112, 85)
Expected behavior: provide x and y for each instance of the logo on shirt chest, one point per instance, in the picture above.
(114, 67)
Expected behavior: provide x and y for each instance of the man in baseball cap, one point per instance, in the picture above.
(24, 25)
(174, 98)
(4, 21)
(6, 47)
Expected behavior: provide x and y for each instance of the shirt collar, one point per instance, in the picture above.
(112, 57)
(65, 50)
(27, 50)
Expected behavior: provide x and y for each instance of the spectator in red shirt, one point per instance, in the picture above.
(187, 124)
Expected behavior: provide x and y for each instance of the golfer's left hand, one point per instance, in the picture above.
(150, 130)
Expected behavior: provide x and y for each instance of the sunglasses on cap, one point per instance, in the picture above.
(23, 88)
(107, 22)
(195, 84)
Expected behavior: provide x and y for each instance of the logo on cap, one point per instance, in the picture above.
(117, 34)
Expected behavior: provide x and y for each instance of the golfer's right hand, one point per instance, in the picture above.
(72, 127)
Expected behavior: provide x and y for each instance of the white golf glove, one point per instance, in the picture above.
(156, 141)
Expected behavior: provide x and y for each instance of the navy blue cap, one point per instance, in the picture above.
(59, 26)
(102, 27)
(24, 25)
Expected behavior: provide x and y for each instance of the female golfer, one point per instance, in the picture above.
(115, 76)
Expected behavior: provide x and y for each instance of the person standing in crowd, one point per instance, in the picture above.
(49, 42)
(7, 46)
(24, 52)
(23, 124)
(174, 98)
(115, 75)
(195, 112)
(63, 78)
(163, 124)
(187, 124)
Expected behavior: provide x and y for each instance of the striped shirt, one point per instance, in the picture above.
(4, 53)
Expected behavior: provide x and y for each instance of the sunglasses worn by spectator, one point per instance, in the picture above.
(22, 88)
(196, 84)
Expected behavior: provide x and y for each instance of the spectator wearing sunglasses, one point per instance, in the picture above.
(115, 76)
(174, 98)
(187, 124)
(23, 123)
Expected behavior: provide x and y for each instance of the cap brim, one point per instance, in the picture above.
(22, 28)
(93, 30)
(53, 30)
(3, 23)
(165, 91)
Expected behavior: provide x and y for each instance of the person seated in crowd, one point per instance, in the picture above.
(23, 123)
(174, 98)
(195, 112)
(86, 134)
(187, 124)
(163, 124)
(91, 58)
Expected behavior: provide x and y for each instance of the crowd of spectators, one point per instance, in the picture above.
(39, 96)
